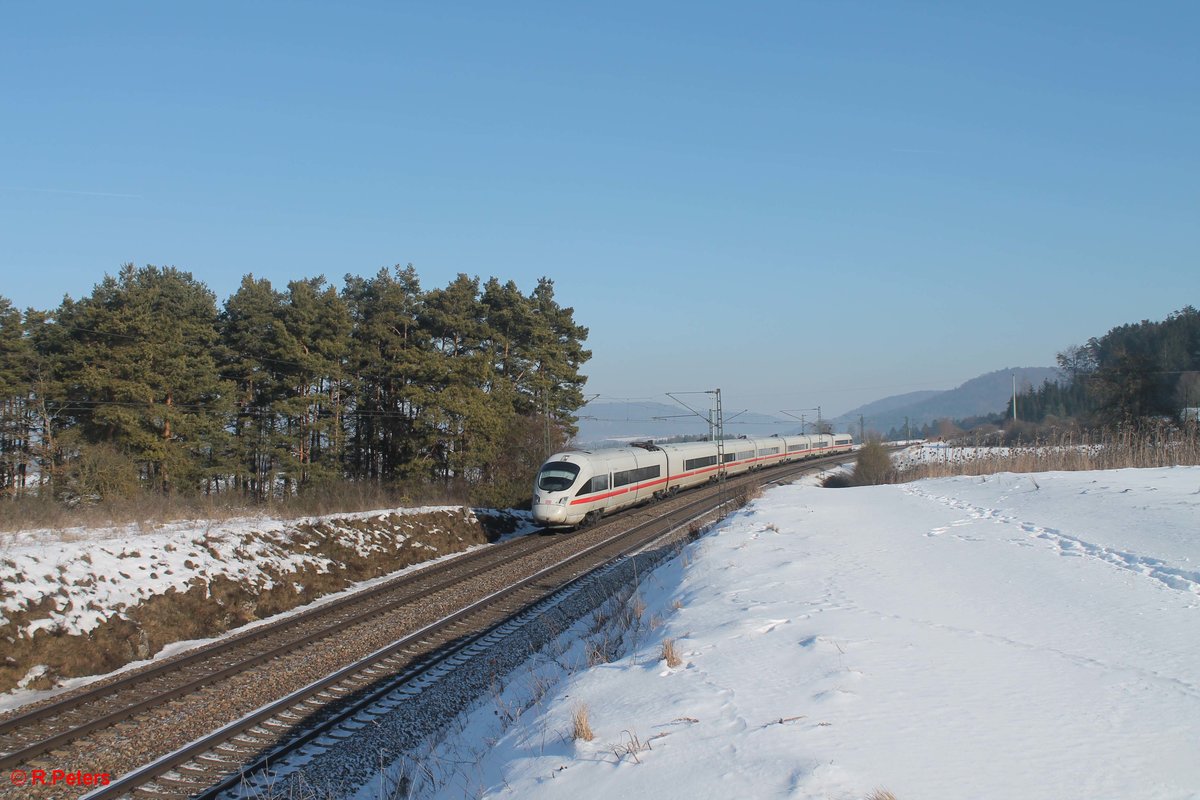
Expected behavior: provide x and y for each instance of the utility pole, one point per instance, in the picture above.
(1014, 377)
(803, 424)
(862, 437)
(716, 432)
(717, 426)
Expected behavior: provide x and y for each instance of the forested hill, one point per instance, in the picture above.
(1133, 372)
(987, 394)
(146, 384)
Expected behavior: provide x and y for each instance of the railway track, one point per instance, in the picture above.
(39, 730)
(283, 725)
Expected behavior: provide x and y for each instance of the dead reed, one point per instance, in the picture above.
(1144, 447)
(581, 728)
(670, 653)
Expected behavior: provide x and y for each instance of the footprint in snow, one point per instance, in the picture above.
(834, 696)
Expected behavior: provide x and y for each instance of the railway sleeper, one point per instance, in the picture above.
(210, 758)
(175, 780)
(243, 740)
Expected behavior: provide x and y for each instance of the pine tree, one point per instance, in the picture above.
(250, 325)
(455, 393)
(16, 361)
(140, 376)
(558, 355)
(317, 342)
(388, 355)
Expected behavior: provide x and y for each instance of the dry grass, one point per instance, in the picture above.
(581, 728)
(631, 747)
(147, 509)
(1159, 446)
(670, 653)
(881, 794)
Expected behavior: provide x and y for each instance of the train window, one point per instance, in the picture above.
(628, 476)
(597, 484)
(746, 454)
(794, 447)
(730, 457)
(768, 451)
(697, 463)
(557, 476)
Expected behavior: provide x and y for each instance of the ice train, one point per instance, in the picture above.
(576, 487)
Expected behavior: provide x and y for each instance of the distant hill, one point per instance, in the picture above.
(987, 394)
(889, 404)
(603, 422)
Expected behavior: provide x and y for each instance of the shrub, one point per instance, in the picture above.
(874, 465)
(837, 480)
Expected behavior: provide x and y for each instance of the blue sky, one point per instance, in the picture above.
(804, 203)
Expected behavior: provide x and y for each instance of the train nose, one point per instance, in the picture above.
(549, 513)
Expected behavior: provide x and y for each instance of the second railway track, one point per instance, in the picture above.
(26, 735)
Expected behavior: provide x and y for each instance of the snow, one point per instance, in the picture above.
(1032, 636)
(77, 578)
(93, 573)
(23, 696)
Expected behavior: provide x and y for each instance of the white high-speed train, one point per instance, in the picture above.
(577, 487)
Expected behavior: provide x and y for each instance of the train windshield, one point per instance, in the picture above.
(557, 476)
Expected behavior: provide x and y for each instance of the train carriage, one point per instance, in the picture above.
(577, 487)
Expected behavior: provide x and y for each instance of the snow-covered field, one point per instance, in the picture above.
(1011, 636)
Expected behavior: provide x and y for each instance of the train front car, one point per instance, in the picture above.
(557, 482)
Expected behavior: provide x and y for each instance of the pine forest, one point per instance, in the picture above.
(147, 387)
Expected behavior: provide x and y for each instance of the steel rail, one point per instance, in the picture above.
(410, 583)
